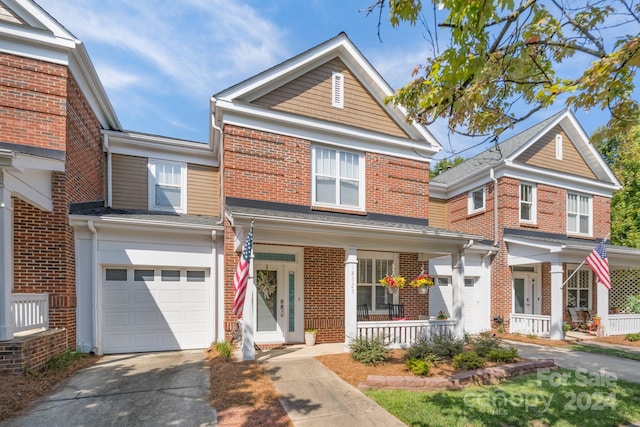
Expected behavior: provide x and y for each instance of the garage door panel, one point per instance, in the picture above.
(153, 315)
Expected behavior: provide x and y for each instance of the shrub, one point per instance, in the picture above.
(225, 348)
(484, 343)
(633, 337)
(420, 349)
(418, 367)
(468, 360)
(62, 361)
(633, 303)
(370, 351)
(446, 345)
(532, 336)
(566, 327)
(502, 355)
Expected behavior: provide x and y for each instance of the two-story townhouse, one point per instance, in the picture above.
(52, 108)
(148, 255)
(336, 185)
(544, 197)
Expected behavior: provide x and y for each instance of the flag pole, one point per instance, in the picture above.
(581, 264)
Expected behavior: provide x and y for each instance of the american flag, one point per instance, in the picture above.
(242, 276)
(598, 262)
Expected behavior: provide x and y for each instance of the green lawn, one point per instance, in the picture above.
(555, 398)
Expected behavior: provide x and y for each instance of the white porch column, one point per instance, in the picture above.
(603, 306)
(249, 317)
(556, 332)
(350, 296)
(457, 279)
(6, 261)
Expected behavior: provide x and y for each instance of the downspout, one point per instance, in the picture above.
(105, 147)
(495, 207)
(221, 164)
(94, 284)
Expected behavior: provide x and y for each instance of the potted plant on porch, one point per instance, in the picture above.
(423, 282)
(310, 336)
(393, 283)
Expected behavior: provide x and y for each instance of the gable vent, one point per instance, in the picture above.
(337, 87)
(559, 146)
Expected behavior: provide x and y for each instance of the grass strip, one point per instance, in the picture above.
(608, 351)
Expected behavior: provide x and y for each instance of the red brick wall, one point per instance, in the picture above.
(478, 223)
(30, 353)
(33, 102)
(44, 249)
(415, 304)
(277, 168)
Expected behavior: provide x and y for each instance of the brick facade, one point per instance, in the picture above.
(30, 353)
(43, 106)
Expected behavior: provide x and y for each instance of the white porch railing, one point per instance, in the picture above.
(29, 311)
(402, 333)
(623, 324)
(530, 324)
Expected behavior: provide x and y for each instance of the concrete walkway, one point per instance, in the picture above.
(624, 369)
(315, 396)
(146, 389)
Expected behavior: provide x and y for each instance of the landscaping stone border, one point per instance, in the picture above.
(484, 376)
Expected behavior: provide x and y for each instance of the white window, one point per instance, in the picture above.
(579, 289)
(579, 214)
(528, 203)
(470, 282)
(338, 178)
(337, 90)
(167, 186)
(559, 146)
(372, 268)
(476, 200)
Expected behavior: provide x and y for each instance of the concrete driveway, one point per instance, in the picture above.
(144, 389)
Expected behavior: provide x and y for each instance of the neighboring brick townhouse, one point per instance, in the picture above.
(52, 108)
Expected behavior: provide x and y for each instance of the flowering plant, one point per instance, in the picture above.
(442, 315)
(420, 280)
(393, 281)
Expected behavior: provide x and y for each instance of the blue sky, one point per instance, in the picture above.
(160, 61)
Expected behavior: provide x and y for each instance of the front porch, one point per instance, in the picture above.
(403, 333)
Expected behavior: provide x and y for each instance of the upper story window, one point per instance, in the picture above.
(579, 214)
(559, 146)
(167, 186)
(528, 203)
(338, 178)
(476, 200)
(337, 90)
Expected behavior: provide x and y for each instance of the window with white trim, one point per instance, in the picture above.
(579, 208)
(527, 203)
(372, 268)
(167, 186)
(476, 200)
(559, 146)
(337, 90)
(338, 178)
(579, 288)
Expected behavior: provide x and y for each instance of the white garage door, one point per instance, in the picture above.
(152, 309)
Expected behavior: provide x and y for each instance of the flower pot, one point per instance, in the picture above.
(423, 290)
(310, 338)
(393, 289)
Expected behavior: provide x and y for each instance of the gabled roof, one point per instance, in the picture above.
(507, 152)
(28, 30)
(242, 94)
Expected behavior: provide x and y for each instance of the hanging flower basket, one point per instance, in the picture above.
(423, 282)
(393, 283)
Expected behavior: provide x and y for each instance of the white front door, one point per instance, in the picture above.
(279, 303)
(526, 294)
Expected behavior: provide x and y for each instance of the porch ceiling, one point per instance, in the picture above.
(536, 249)
(279, 227)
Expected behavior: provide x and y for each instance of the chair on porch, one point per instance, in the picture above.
(396, 312)
(363, 313)
(576, 322)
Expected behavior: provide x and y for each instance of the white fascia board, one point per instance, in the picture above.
(136, 224)
(82, 69)
(558, 179)
(35, 189)
(36, 16)
(162, 148)
(470, 182)
(323, 132)
(532, 141)
(438, 191)
(25, 161)
(34, 45)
